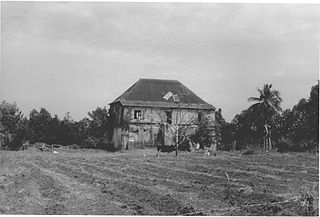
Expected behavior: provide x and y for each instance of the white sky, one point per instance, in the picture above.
(73, 57)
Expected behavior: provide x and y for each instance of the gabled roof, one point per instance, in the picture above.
(150, 92)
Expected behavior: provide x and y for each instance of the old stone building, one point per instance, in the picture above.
(153, 107)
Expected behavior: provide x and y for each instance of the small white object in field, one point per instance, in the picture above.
(207, 152)
(227, 176)
(144, 154)
(197, 146)
(55, 152)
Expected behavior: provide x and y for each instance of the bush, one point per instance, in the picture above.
(225, 146)
(184, 146)
(97, 143)
(304, 145)
(110, 147)
(90, 142)
(285, 145)
(282, 147)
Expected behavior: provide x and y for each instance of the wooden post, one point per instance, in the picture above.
(267, 137)
(177, 141)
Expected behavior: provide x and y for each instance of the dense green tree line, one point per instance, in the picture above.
(295, 129)
(41, 126)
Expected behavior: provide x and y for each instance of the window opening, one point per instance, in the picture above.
(137, 114)
(169, 117)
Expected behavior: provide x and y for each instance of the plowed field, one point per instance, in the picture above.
(139, 183)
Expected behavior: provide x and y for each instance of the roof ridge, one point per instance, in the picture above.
(158, 79)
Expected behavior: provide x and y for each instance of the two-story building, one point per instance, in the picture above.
(152, 110)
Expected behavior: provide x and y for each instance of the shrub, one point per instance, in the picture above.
(282, 147)
(90, 142)
(184, 146)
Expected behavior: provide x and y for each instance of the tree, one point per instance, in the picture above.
(245, 130)
(82, 127)
(204, 133)
(13, 126)
(283, 125)
(297, 129)
(179, 124)
(219, 124)
(305, 130)
(223, 132)
(227, 137)
(313, 113)
(40, 125)
(266, 106)
(54, 132)
(98, 129)
(68, 131)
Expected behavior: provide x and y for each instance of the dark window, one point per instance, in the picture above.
(199, 116)
(169, 117)
(137, 114)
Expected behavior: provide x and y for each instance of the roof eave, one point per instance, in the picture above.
(159, 104)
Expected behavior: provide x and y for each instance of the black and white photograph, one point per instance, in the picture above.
(168, 108)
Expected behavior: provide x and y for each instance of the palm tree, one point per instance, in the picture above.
(266, 106)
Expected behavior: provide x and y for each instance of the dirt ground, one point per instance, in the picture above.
(139, 183)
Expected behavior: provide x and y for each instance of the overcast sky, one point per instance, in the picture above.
(73, 57)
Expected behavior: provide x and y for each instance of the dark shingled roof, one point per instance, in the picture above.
(150, 92)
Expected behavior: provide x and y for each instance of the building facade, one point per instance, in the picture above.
(153, 111)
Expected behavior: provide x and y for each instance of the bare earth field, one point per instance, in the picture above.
(139, 183)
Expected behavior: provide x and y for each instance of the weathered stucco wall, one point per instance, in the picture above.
(116, 113)
(130, 133)
(158, 115)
